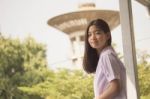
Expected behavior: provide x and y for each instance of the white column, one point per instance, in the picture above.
(129, 49)
(78, 51)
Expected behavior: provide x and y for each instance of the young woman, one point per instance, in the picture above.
(101, 59)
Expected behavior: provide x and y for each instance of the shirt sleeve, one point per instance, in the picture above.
(110, 66)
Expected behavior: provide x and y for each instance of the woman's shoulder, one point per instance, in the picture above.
(109, 50)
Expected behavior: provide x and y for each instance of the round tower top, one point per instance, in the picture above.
(86, 6)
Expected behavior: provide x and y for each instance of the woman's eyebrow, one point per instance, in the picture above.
(98, 30)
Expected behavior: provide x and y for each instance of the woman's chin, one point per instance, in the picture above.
(95, 47)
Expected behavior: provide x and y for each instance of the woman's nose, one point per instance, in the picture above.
(93, 36)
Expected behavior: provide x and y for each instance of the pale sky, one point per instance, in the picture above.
(22, 18)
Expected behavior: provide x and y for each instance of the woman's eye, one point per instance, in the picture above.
(98, 32)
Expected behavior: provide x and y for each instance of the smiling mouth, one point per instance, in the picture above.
(94, 42)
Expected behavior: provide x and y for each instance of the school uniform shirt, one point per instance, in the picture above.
(109, 68)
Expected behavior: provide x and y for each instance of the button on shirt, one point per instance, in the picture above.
(109, 68)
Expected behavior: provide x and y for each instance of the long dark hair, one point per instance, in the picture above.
(90, 58)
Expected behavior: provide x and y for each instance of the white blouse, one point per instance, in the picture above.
(109, 68)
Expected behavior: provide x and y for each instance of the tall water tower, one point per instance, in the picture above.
(74, 24)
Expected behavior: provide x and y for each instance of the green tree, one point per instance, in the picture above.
(20, 63)
(64, 84)
(144, 75)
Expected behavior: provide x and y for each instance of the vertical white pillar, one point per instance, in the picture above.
(78, 51)
(129, 49)
(77, 45)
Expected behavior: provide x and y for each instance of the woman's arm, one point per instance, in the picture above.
(112, 89)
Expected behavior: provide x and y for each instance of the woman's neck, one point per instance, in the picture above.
(100, 50)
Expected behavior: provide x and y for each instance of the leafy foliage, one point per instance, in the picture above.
(144, 75)
(64, 84)
(19, 65)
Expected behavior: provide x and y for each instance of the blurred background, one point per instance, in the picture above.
(41, 56)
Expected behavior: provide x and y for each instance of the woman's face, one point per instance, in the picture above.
(97, 38)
